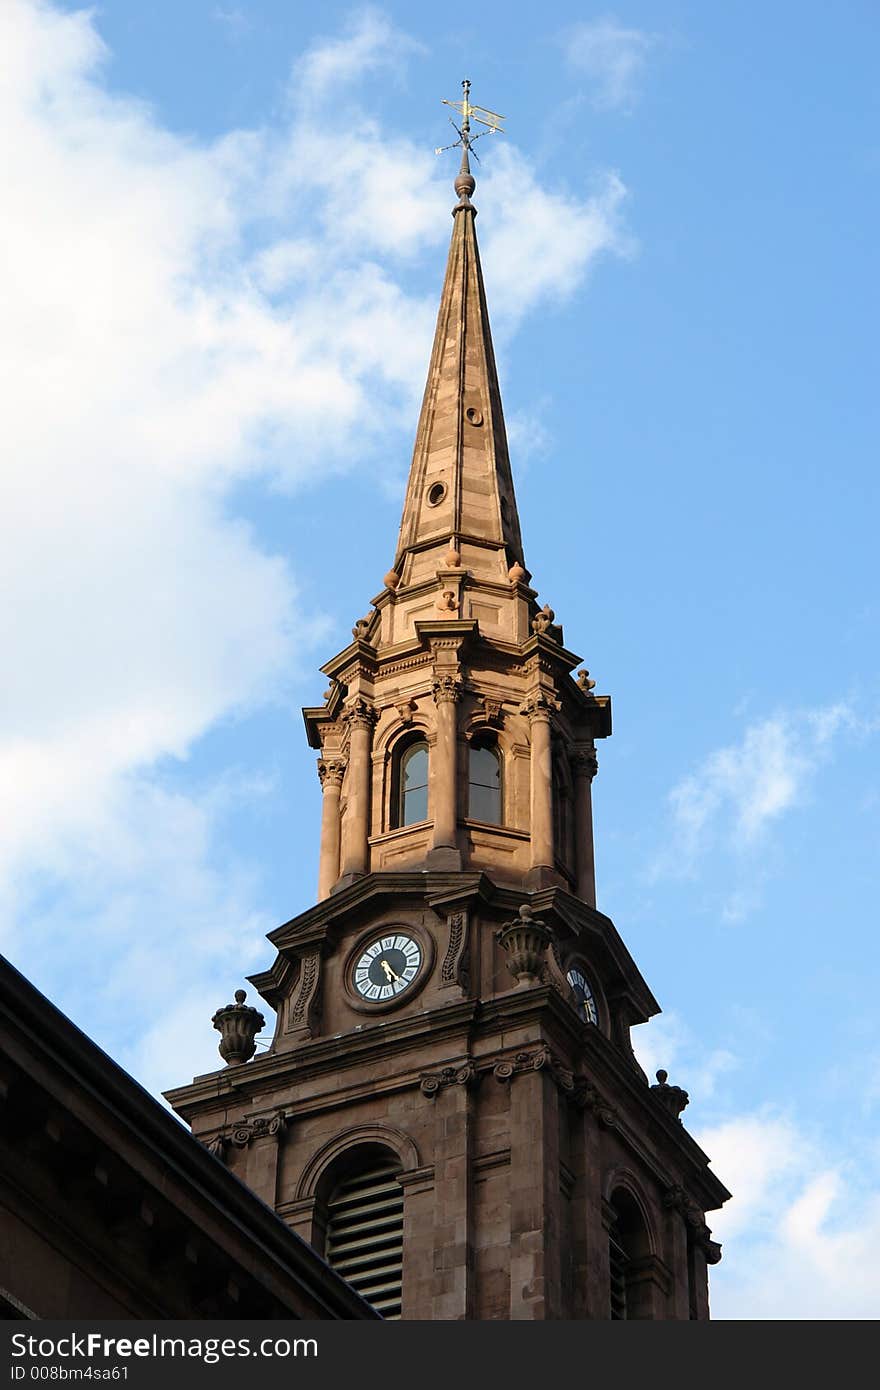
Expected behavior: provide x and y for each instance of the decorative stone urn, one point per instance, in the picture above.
(238, 1025)
(673, 1097)
(525, 940)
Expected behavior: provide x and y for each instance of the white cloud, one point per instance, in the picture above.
(519, 270)
(800, 1234)
(371, 42)
(739, 791)
(179, 317)
(612, 57)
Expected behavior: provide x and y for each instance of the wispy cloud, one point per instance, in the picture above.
(371, 42)
(739, 792)
(233, 20)
(612, 57)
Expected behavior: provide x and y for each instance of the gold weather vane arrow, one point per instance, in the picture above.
(490, 119)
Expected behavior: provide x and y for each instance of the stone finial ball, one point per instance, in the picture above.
(240, 996)
(465, 184)
(661, 1076)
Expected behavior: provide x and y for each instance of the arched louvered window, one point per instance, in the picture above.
(629, 1250)
(484, 784)
(365, 1233)
(411, 792)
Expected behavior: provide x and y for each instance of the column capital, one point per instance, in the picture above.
(447, 689)
(331, 772)
(360, 714)
(270, 1126)
(540, 706)
(585, 763)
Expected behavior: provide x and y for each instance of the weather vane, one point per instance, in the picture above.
(490, 119)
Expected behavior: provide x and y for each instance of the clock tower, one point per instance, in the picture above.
(450, 1109)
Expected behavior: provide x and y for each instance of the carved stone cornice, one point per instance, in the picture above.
(331, 772)
(360, 714)
(447, 689)
(410, 663)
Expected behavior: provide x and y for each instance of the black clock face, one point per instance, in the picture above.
(586, 1004)
(387, 967)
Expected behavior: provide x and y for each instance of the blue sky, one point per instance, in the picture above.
(222, 268)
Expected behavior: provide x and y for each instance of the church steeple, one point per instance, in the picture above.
(450, 1108)
(460, 492)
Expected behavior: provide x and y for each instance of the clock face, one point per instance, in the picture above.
(387, 967)
(586, 1004)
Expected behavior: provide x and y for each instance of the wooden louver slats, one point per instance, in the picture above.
(617, 1259)
(365, 1236)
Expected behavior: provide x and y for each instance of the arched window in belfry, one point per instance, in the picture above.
(484, 783)
(364, 1240)
(629, 1250)
(410, 789)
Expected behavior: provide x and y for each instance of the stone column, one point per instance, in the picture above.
(585, 767)
(360, 718)
(535, 1272)
(331, 773)
(453, 1200)
(542, 864)
(444, 774)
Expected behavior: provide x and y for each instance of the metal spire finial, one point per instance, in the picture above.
(466, 183)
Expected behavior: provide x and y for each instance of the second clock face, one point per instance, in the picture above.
(586, 1004)
(387, 966)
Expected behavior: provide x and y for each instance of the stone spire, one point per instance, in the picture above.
(460, 493)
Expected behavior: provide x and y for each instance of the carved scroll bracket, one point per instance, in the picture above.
(304, 1016)
(454, 970)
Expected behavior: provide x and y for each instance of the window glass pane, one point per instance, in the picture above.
(485, 768)
(485, 804)
(414, 785)
(484, 794)
(415, 805)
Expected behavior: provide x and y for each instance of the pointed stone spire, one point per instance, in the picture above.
(460, 495)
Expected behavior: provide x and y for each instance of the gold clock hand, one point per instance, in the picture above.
(389, 973)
